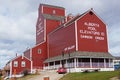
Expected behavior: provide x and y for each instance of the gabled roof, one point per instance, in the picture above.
(80, 54)
(20, 56)
(75, 19)
(70, 21)
(116, 58)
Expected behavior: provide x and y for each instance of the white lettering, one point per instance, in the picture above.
(86, 36)
(69, 48)
(89, 32)
(91, 28)
(99, 38)
(91, 24)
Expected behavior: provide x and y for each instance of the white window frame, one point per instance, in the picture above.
(15, 63)
(23, 64)
(54, 11)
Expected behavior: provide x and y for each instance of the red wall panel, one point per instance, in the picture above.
(20, 69)
(49, 10)
(39, 58)
(51, 25)
(92, 34)
(27, 53)
(40, 30)
(61, 40)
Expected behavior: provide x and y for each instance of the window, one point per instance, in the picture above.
(54, 12)
(39, 51)
(15, 63)
(23, 64)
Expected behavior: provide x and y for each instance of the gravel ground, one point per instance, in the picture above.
(53, 75)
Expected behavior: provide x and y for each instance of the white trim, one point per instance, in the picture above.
(104, 63)
(27, 58)
(76, 36)
(75, 63)
(15, 63)
(98, 16)
(11, 68)
(48, 65)
(31, 54)
(90, 62)
(42, 9)
(31, 66)
(22, 56)
(60, 63)
(48, 47)
(94, 13)
(45, 30)
(65, 16)
(107, 38)
(23, 63)
(54, 64)
(39, 44)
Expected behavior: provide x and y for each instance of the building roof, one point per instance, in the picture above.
(53, 17)
(80, 54)
(116, 58)
(53, 6)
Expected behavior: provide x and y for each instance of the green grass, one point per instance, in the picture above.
(91, 76)
(0, 77)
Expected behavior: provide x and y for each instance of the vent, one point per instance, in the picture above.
(91, 13)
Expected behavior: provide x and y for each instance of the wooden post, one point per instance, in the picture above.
(46, 78)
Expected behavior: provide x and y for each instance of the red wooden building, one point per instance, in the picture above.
(76, 42)
(19, 64)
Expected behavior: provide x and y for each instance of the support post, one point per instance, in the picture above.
(75, 62)
(48, 65)
(66, 63)
(104, 63)
(54, 64)
(60, 63)
(90, 62)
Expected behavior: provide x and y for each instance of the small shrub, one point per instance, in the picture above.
(96, 70)
(86, 71)
(25, 72)
(0, 73)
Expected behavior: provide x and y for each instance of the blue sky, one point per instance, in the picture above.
(18, 22)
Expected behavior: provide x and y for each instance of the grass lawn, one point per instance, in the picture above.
(0, 77)
(91, 75)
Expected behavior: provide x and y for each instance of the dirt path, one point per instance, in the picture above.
(114, 78)
(51, 74)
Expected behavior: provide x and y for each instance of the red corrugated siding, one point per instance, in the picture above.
(49, 10)
(92, 44)
(39, 58)
(51, 25)
(27, 53)
(19, 69)
(40, 30)
(61, 40)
